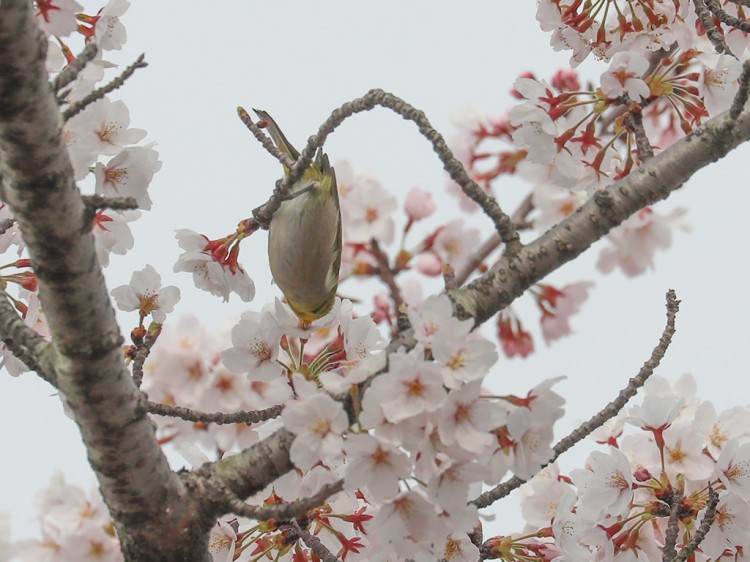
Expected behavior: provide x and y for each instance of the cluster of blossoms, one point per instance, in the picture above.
(424, 441)
(101, 146)
(621, 506)
(410, 431)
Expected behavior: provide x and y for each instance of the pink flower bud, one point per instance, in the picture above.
(418, 204)
(430, 264)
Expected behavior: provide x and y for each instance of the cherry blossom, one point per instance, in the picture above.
(415, 386)
(460, 549)
(733, 468)
(221, 543)
(57, 17)
(731, 527)
(554, 204)
(366, 209)
(318, 421)
(404, 524)
(129, 174)
(636, 240)
(607, 487)
(466, 419)
(558, 305)
(418, 204)
(540, 497)
(436, 314)
(107, 125)
(624, 76)
(454, 244)
(375, 466)
(109, 33)
(462, 358)
(146, 295)
(719, 429)
(213, 265)
(255, 340)
(112, 234)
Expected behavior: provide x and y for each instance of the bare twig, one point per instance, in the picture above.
(713, 34)
(314, 543)
(385, 273)
(609, 411)
(643, 146)
(263, 138)
(219, 418)
(75, 108)
(673, 528)
(703, 528)
(71, 72)
(520, 220)
(449, 277)
(452, 165)
(728, 19)
(142, 352)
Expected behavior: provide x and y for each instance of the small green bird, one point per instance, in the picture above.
(304, 237)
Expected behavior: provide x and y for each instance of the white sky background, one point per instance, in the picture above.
(300, 60)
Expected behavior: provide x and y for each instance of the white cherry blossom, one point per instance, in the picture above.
(145, 294)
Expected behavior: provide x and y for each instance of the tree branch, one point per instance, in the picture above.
(284, 510)
(99, 93)
(71, 72)
(703, 528)
(609, 411)
(220, 418)
(156, 516)
(606, 209)
(25, 343)
(452, 165)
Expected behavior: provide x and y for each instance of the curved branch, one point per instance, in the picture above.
(606, 413)
(503, 223)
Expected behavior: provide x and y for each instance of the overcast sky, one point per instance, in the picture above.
(299, 60)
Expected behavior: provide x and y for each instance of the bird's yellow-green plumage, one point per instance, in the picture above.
(304, 237)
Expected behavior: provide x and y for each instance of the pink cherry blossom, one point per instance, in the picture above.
(624, 77)
(418, 204)
(733, 468)
(454, 244)
(214, 271)
(415, 386)
(467, 420)
(146, 295)
(366, 208)
(636, 240)
(109, 32)
(112, 234)
(255, 341)
(57, 17)
(129, 174)
(375, 466)
(318, 421)
(558, 306)
(730, 529)
(436, 314)
(607, 487)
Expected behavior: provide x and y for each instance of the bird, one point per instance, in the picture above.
(304, 235)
